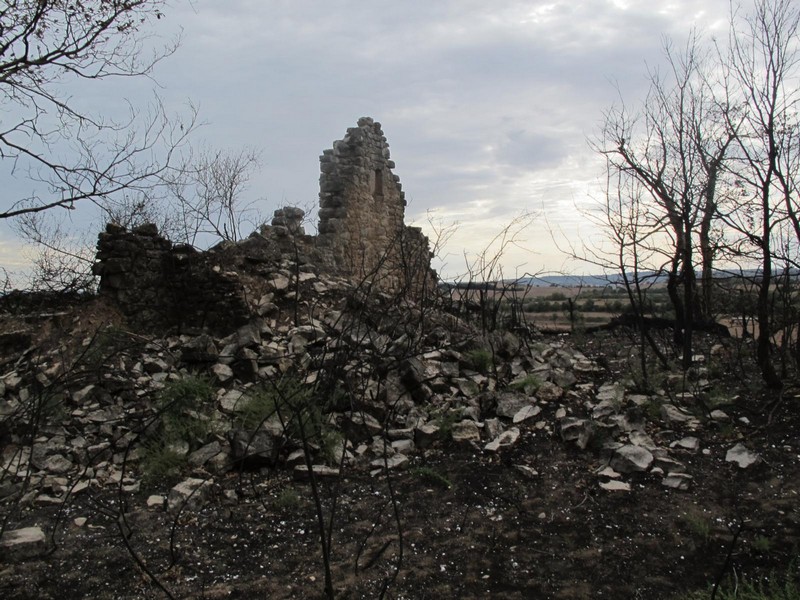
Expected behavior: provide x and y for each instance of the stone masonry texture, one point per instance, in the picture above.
(362, 238)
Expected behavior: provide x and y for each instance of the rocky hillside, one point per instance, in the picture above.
(330, 395)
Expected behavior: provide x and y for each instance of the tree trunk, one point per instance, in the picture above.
(763, 343)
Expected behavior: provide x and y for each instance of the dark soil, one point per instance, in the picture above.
(496, 531)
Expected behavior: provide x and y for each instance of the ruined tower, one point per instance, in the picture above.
(362, 207)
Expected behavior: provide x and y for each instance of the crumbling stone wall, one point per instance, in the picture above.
(160, 286)
(362, 236)
(361, 218)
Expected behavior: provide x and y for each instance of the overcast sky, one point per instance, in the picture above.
(487, 105)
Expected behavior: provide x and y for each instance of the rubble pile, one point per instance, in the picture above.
(375, 381)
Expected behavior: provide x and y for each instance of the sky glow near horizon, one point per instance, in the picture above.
(487, 106)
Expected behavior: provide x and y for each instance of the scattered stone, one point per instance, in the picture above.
(232, 400)
(426, 435)
(563, 378)
(525, 413)
(154, 364)
(493, 428)
(677, 481)
(360, 426)
(404, 446)
(199, 349)
(718, 415)
(80, 396)
(669, 465)
(510, 403)
(279, 283)
(80, 487)
(300, 472)
(611, 391)
(639, 438)
(47, 500)
(605, 409)
(639, 399)
(298, 457)
(57, 464)
(577, 430)
(22, 543)
(527, 471)
(80, 521)
(406, 433)
(222, 373)
(254, 448)
(394, 462)
(132, 487)
(609, 472)
(740, 455)
(467, 387)
(190, 494)
(203, 455)
(466, 431)
(687, 443)
(507, 438)
(549, 392)
(671, 414)
(156, 501)
(631, 459)
(615, 486)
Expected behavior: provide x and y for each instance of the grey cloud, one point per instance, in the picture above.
(474, 96)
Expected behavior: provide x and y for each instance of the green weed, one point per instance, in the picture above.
(698, 525)
(299, 410)
(331, 444)
(761, 544)
(161, 464)
(445, 421)
(182, 421)
(431, 477)
(652, 410)
(288, 500)
(480, 359)
(528, 384)
(181, 404)
(260, 406)
(776, 586)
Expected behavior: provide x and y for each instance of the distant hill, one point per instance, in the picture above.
(572, 280)
(616, 279)
(585, 280)
(649, 276)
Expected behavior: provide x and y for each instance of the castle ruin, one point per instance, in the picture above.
(362, 238)
(362, 210)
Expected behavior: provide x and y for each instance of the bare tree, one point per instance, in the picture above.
(484, 286)
(762, 65)
(207, 194)
(675, 148)
(72, 154)
(62, 257)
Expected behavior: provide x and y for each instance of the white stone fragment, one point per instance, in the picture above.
(740, 455)
(526, 412)
(615, 486)
(507, 438)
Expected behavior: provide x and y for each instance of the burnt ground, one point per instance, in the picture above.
(468, 524)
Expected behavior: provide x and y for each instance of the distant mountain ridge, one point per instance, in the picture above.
(617, 279)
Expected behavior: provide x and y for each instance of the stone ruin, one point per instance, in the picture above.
(361, 216)
(362, 238)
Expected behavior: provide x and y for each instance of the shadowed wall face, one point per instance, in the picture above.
(362, 207)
